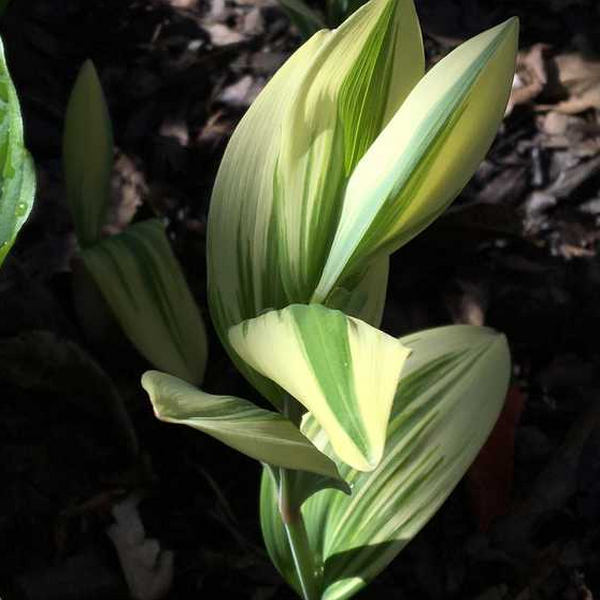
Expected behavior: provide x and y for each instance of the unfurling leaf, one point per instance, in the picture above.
(344, 371)
(144, 286)
(148, 570)
(425, 155)
(451, 391)
(17, 172)
(88, 155)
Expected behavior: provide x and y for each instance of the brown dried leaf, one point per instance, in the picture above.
(128, 190)
(579, 80)
(571, 79)
(531, 76)
(148, 570)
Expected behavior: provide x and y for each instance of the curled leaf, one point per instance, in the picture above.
(344, 371)
(264, 435)
(88, 155)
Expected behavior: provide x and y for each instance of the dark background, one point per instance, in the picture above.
(518, 252)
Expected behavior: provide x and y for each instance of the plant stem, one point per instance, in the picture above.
(293, 521)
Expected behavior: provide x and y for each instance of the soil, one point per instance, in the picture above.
(518, 252)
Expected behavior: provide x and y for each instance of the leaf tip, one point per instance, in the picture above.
(513, 23)
(509, 30)
(88, 76)
(148, 382)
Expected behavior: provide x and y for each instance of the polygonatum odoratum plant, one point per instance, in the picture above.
(348, 153)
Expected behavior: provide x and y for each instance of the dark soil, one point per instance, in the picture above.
(518, 252)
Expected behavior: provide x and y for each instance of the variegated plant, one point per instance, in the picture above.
(348, 153)
(136, 270)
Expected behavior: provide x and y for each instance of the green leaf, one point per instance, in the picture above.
(426, 154)
(144, 286)
(344, 371)
(303, 17)
(17, 171)
(261, 434)
(278, 194)
(451, 391)
(88, 155)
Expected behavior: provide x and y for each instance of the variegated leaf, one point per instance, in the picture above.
(344, 371)
(17, 172)
(144, 286)
(88, 155)
(264, 435)
(450, 394)
(350, 91)
(278, 194)
(426, 154)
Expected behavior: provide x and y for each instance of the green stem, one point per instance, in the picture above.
(293, 521)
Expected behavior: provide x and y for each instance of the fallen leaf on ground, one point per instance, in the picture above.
(530, 77)
(581, 79)
(148, 570)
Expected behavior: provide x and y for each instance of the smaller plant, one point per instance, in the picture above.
(136, 270)
(17, 174)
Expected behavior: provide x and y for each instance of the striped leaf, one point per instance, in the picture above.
(17, 172)
(264, 435)
(450, 394)
(337, 112)
(144, 286)
(278, 194)
(426, 154)
(306, 20)
(342, 370)
(87, 155)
